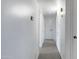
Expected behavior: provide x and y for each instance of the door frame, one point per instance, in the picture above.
(70, 4)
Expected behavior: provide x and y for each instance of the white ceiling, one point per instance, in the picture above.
(18, 7)
(48, 6)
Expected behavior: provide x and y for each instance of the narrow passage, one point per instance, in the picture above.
(49, 50)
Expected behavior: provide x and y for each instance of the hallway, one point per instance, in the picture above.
(49, 50)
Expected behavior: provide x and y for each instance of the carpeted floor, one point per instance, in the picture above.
(49, 50)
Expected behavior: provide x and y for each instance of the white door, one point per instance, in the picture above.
(50, 26)
(74, 41)
(48, 29)
(18, 31)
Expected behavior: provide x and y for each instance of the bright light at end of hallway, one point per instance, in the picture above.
(21, 10)
(52, 9)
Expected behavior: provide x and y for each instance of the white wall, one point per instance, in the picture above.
(68, 48)
(60, 29)
(41, 28)
(50, 26)
(18, 31)
(60, 35)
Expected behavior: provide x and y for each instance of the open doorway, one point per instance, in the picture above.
(53, 44)
(59, 27)
(50, 26)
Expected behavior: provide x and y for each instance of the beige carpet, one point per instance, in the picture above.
(49, 50)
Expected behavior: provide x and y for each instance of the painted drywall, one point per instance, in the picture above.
(18, 31)
(69, 44)
(60, 35)
(50, 26)
(60, 29)
(41, 28)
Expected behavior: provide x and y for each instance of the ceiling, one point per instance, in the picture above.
(20, 8)
(48, 6)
